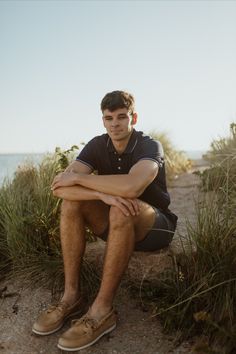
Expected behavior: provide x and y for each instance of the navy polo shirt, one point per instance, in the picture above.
(100, 154)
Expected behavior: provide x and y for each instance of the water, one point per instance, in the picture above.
(10, 162)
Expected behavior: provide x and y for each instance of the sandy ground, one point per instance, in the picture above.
(137, 331)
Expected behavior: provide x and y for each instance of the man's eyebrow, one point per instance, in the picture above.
(110, 116)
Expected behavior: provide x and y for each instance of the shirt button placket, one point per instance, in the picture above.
(119, 167)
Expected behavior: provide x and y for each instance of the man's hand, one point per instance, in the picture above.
(64, 179)
(127, 206)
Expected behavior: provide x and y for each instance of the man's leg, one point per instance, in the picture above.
(123, 233)
(74, 217)
(101, 318)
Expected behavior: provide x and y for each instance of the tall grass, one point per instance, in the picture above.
(29, 224)
(176, 161)
(222, 158)
(199, 295)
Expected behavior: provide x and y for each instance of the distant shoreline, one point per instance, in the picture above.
(9, 162)
(191, 154)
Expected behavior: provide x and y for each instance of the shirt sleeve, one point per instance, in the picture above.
(88, 154)
(150, 150)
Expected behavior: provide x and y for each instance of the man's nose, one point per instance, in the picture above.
(115, 122)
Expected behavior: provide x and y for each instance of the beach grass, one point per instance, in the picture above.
(176, 161)
(198, 296)
(29, 224)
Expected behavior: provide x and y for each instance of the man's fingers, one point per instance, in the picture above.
(129, 206)
(54, 186)
(136, 205)
(124, 210)
(55, 180)
(55, 183)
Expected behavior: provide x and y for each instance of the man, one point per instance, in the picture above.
(125, 203)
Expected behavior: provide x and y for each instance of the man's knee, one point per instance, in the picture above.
(117, 217)
(72, 208)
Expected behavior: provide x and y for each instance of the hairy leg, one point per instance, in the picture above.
(74, 217)
(123, 233)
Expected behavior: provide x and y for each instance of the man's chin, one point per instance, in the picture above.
(116, 138)
(119, 136)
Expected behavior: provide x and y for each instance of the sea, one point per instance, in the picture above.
(10, 162)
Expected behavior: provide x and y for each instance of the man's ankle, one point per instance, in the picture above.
(71, 298)
(97, 311)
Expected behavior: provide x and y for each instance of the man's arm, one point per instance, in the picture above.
(78, 167)
(130, 185)
(79, 193)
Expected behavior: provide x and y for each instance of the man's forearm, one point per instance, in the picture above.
(118, 185)
(76, 193)
(129, 185)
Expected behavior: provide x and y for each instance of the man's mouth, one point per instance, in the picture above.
(115, 131)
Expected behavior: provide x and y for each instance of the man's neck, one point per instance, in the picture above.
(120, 145)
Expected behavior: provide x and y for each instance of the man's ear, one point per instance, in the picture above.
(134, 118)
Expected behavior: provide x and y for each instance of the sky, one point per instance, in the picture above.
(59, 58)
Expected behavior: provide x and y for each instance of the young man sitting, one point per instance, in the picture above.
(125, 203)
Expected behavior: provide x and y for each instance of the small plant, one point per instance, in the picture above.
(64, 157)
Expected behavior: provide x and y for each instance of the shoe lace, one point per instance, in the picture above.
(61, 306)
(87, 321)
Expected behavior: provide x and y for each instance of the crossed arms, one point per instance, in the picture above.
(77, 183)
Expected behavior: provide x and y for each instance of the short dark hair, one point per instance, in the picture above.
(118, 99)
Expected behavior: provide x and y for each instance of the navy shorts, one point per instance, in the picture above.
(159, 236)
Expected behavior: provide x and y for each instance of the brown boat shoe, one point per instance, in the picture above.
(52, 319)
(86, 331)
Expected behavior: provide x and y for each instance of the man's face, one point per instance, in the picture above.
(119, 123)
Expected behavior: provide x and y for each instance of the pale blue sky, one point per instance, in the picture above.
(59, 58)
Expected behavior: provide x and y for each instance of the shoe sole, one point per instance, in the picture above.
(56, 329)
(90, 343)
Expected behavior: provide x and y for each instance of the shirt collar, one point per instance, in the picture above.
(131, 143)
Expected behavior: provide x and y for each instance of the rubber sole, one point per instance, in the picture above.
(47, 333)
(90, 343)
